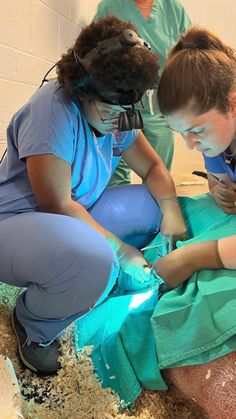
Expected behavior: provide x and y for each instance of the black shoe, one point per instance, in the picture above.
(41, 358)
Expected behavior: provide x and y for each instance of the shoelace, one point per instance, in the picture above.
(42, 344)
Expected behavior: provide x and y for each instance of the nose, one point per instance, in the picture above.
(191, 140)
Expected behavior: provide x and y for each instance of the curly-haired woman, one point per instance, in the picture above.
(63, 236)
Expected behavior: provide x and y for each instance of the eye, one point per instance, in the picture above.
(199, 132)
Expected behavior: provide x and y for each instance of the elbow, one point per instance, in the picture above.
(54, 207)
(156, 169)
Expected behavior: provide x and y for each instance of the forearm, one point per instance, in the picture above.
(160, 183)
(179, 265)
(75, 210)
(163, 190)
(203, 255)
(211, 254)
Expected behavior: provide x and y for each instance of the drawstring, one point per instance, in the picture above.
(149, 94)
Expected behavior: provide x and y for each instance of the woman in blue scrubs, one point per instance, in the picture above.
(197, 95)
(64, 236)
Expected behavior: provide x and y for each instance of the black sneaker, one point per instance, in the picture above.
(41, 358)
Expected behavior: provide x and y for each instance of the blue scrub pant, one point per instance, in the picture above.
(66, 266)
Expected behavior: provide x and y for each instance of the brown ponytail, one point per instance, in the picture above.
(200, 69)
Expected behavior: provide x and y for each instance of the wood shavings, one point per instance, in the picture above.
(208, 374)
(191, 183)
(75, 392)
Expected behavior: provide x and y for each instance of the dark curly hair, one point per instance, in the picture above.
(130, 68)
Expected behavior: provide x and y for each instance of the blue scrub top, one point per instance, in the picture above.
(51, 123)
(217, 165)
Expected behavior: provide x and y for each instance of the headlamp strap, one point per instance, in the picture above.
(125, 40)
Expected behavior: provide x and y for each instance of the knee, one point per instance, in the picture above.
(96, 275)
(90, 259)
(75, 281)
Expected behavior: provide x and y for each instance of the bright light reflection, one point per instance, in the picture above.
(138, 299)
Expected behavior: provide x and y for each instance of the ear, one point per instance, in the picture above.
(232, 103)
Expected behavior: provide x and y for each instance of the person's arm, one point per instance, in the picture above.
(50, 179)
(179, 265)
(143, 160)
(224, 195)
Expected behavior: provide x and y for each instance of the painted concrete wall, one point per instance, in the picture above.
(218, 15)
(33, 35)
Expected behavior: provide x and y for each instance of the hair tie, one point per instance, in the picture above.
(191, 46)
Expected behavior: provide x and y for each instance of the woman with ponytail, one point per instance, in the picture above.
(197, 96)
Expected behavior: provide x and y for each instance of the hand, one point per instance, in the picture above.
(173, 227)
(225, 197)
(133, 263)
(131, 259)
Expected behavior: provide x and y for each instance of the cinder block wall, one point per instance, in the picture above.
(218, 15)
(33, 35)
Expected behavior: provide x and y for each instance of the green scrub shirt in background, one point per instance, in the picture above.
(161, 30)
